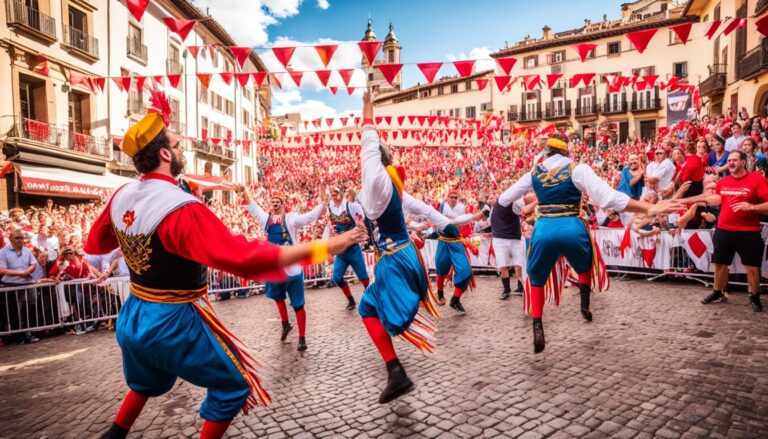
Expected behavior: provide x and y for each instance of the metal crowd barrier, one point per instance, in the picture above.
(83, 304)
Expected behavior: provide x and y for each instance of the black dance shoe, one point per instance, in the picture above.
(456, 304)
(115, 432)
(351, 303)
(584, 292)
(504, 295)
(716, 295)
(754, 299)
(302, 345)
(398, 383)
(286, 329)
(538, 336)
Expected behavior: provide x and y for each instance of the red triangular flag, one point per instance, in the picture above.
(241, 54)
(583, 50)
(137, 7)
(276, 80)
(464, 67)
(126, 80)
(648, 254)
(626, 242)
(329, 121)
(179, 26)
(389, 71)
(388, 120)
(346, 75)
(711, 28)
(650, 80)
(552, 79)
(369, 49)
(411, 119)
(734, 23)
(343, 121)
(226, 77)
(586, 78)
(506, 63)
(697, 245)
(326, 53)
(296, 76)
(350, 90)
(259, 77)
(42, 65)
(174, 80)
(530, 81)
(119, 83)
(194, 50)
(429, 70)
(400, 120)
(158, 80)
(306, 122)
(421, 119)
(762, 25)
(641, 38)
(76, 79)
(683, 31)
(333, 90)
(204, 78)
(323, 76)
(242, 78)
(349, 136)
(481, 84)
(99, 82)
(501, 81)
(283, 54)
(140, 82)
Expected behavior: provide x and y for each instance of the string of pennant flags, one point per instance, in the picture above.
(370, 49)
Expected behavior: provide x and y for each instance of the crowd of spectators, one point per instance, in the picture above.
(684, 160)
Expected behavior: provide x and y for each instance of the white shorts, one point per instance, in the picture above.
(509, 252)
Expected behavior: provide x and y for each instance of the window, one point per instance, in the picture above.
(134, 32)
(215, 58)
(203, 98)
(680, 69)
(246, 118)
(673, 38)
(440, 91)
(78, 103)
(32, 100)
(370, 76)
(425, 93)
(556, 57)
(486, 106)
(716, 13)
(558, 92)
(614, 48)
(204, 123)
(77, 20)
(468, 86)
(644, 71)
(457, 112)
(455, 88)
(531, 61)
(471, 112)
(391, 56)
(439, 113)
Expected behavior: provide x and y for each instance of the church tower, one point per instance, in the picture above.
(392, 53)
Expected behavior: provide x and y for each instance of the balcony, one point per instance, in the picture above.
(559, 113)
(753, 62)
(136, 50)
(24, 18)
(512, 116)
(715, 84)
(81, 42)
(585, 110)
(136, 103)
(173, 66)
(213, 150)
(614, 107)
(653, 104)
(530, 116)
(51, 136)
(122, 159)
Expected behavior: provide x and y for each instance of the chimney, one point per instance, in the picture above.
(547, 33)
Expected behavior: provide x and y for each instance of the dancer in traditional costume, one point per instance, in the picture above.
(281, 229)
(167, 328)
(561, 230)
(452, 253)
(342, 216)
(390, 304)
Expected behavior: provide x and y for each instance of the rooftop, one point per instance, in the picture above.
(445, 80)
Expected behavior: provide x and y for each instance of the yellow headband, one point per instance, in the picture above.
(144, 131)
(557, 144)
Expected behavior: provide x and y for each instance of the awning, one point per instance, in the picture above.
(59, 182)
(208, 183)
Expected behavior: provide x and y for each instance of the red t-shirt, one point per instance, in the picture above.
(692, 169)
(752, 188)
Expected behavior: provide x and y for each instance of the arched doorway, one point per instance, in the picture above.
(761, 101)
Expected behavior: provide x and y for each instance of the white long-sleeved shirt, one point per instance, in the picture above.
(377, 186)
(452, 212)
(584, 179)
(664, 171)
(337, 209)
(293, 222)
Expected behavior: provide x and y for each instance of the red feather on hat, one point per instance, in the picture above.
(159, 103)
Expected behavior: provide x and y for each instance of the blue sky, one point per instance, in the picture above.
(428, 30)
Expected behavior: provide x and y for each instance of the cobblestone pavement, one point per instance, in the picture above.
(654, 363)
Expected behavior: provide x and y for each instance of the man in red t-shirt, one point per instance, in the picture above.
(738, 227)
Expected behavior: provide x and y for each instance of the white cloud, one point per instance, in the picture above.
(247, 21)
(291, 101)
(323, 4)
(481, 54)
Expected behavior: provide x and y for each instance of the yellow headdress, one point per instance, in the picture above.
(557, 144)
(150, 126)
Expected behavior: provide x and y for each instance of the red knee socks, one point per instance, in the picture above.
(457, 292)
(281, 308)
(346, 290)
(537, 301)
(380, 338)
(214, 430)
(586, 278)
(365, 283)
(440, 282)
(301, 321)
(130, 409)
